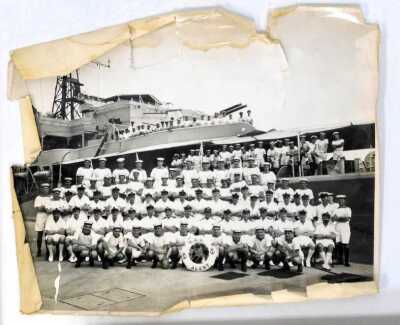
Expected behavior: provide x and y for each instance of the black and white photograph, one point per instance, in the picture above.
(170, 173)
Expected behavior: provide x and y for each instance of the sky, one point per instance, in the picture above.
(305, 81)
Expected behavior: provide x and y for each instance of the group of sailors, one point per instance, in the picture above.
(183, 122)
(124, 216)
(312, 156)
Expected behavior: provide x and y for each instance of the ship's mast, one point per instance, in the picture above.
(67, 97)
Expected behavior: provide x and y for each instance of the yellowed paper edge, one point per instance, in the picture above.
(30, 136)
(30, 298)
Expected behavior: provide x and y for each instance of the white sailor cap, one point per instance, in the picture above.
(336, 132)
(259, 227)
(303, 179)
(157, 224)
(102, 159)
(149, 179)
(250, 158)
(87, 159)
(67, 178)
(284, 179)
(139, 161)
(114, 208)
(93, 179)
(45, 185)
(216, 225)
(56, 189)
(266, 163)
(288, 229)
(236, 158)
(160, 158)
(341, 196)
(220, 160)
(120, 159)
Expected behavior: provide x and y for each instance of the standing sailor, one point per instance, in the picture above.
(120, 170)
(342, 217)
(41, 204)
(86, 171)
(159, 171)
(102, 171)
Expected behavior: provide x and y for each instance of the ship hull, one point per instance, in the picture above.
(152, 141)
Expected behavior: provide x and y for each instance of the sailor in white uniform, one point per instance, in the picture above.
(342, 217)
(102, 171)
(325, 234)
(159, 171)
(120, 170)
(139, 169)
(86, 171)
(41, 204)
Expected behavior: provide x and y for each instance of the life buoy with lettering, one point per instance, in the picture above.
(199, 256)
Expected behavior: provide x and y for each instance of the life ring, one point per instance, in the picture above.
(199, 256)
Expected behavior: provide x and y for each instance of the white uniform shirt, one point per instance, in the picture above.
(81, 202)
(220, 174)
(114, 243)
(343, 212)
(204, 175)
(321, 229)
(118, 222)
(74, 225)
(290, 249)
(87, 173)
(135, 187)
(280, 191)
(282, 225)
(266, 178)
(158, 173)
(261, 245)
(214, 240)
(51, 225)
(100, 173)
(42, 202)
(118, 203)
(303, 228)
(142, 174)
(130, 240)
(248, 171)
(105, 191)
(160, 243)
(323, 209)
(307, 191)
(57, 204)
(98, 225)
(120, 171)
(218, 206)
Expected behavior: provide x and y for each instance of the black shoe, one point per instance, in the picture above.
(91, 261)
(286, 267)
(232, 264)
(39, 254)
(347, 264)
(104, 263)
(129, 265)
(220, 265)
(133, 262)
(300, 268)
(78, 263)
(154, 265)
(243, 266)
(267, 266)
